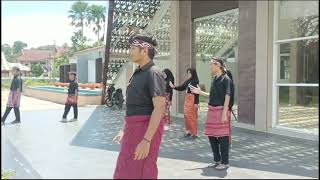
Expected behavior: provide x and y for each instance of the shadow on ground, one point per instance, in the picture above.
(250, 149)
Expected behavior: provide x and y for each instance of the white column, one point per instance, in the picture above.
(261, 80)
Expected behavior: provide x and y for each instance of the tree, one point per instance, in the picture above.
(11, 53)
(78, 42)
(96, 17)
(18, 46)
(37, 69)
(78, 14)
(8, 52)
(59, 60)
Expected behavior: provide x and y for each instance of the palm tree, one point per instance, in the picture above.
(78, 14)
(96, 16)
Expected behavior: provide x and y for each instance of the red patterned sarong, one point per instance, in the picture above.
(214, 126)
(14, 99)
(71, 99)
(127, 168)
(191, 114)
(166, 116)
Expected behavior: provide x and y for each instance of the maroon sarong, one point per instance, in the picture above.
(14, 99)
(127, 168)
(214, 126)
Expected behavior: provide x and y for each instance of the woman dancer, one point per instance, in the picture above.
(14, 98)
(168, 78)
(190, 104)
(217, 126)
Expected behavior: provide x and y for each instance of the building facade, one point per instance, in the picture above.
(271, 48)
(275, 60)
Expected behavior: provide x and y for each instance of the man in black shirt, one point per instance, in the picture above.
(141, 135)
(72, 98)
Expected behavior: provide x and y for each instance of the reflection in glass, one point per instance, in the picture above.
(299, 62)
(298, 19)
(299, 108)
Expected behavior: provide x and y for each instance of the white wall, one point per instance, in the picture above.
(91, 71)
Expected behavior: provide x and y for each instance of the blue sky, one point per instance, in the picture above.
(38, 22)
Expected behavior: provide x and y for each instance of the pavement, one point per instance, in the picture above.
(42, 147)
(28, 103)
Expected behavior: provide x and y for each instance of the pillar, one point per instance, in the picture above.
(247, 61)
(263, 40)
(180, 48)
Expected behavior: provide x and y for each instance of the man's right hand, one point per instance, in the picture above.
(118, 137)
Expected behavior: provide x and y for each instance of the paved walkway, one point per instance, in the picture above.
(83, 149)
(29, 103)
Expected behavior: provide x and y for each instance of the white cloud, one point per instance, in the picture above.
(38, 30)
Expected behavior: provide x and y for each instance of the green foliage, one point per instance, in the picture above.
(81, 13)
(37, 70)
(18, 46)
(8, 52)
(11, 53)
(7, 174)
(96, 17)
(78, 14)
(5, 85)
(41, 82)
(78, 42)
(58, 61)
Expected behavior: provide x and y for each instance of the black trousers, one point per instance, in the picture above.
(67, 109)
(220, 148)
(6, 113)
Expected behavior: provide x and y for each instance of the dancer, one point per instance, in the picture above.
(168, 78)
(72, 98)
(190, 104)
(141, 135)
(14, 97)
(217, 126)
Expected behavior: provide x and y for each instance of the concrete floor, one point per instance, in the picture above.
(83, 149)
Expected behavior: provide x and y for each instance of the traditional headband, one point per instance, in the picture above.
(142, 44)
(215, 61)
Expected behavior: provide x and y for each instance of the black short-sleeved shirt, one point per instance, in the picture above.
(185, 86)
(16, 84)
(73, 87)
(146, 82)
(219, 88)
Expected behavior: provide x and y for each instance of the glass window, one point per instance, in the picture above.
(299, 62)
(298, 19)
(298, 107)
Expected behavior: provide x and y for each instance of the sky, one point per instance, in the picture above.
(39, 23)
